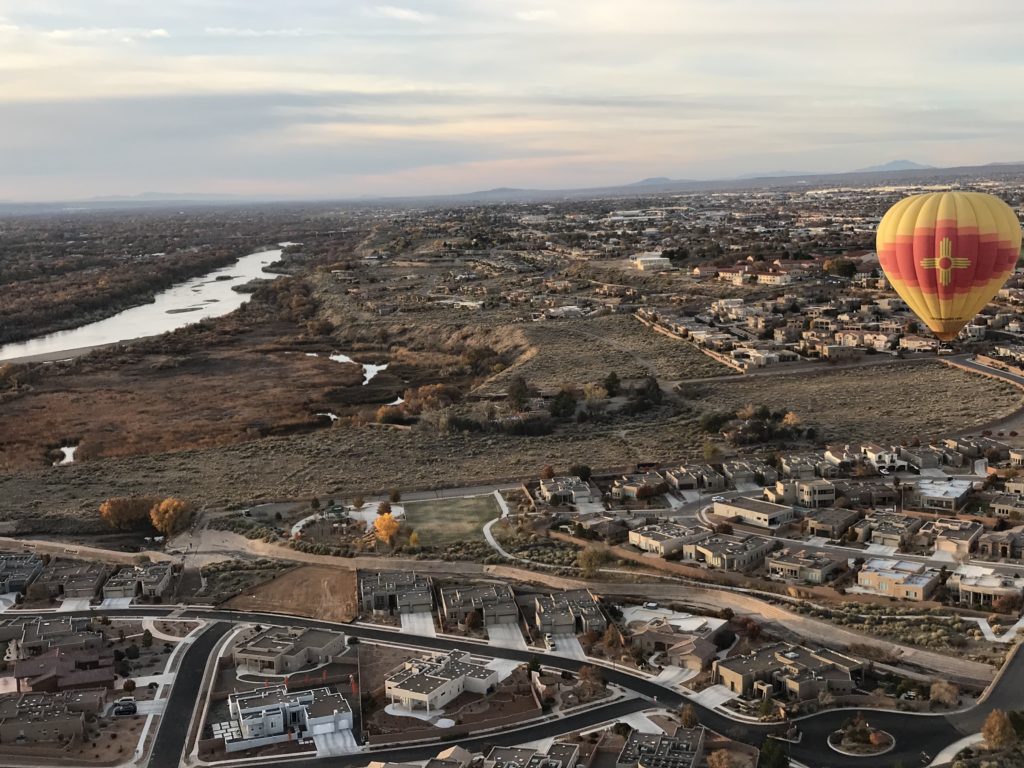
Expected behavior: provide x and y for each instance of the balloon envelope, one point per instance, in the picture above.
(947, 254)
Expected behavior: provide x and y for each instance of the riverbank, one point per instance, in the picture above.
(68, 354)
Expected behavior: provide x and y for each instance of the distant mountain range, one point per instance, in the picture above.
(894, 172)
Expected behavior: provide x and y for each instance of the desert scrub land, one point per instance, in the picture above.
(884, 403)
(228, 578)
(447, 521)
(586, 350)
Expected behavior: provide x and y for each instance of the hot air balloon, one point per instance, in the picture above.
(947, 254)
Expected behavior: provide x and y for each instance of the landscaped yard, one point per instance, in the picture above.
(447, 521)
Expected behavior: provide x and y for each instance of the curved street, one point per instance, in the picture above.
(919, 736)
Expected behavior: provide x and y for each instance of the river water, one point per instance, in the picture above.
(210, 295)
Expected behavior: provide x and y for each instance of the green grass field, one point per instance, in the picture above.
(446, 521)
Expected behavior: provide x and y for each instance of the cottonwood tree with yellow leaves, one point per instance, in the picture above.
(386, 527)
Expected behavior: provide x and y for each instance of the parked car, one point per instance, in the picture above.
(651, 606)
(718, 498)
(128, 708)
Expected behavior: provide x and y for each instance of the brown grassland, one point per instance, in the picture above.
(319, 591)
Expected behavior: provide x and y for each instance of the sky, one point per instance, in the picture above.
(344, 98)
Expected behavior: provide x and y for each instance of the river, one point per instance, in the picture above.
(209, 295)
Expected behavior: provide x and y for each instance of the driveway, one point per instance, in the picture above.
(506, 636)
(419, 624)
(714, 696)
(674, 676)
(568, 646)
(336, 743)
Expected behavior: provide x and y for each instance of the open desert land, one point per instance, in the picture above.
(586, 350)
(884, 404)
(843, 404)
(320, 591)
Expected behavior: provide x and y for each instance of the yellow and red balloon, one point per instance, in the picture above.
(947, 254)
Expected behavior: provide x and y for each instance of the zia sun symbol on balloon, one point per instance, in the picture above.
(945, 263)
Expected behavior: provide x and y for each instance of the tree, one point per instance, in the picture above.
(385, 527)
(132, 651)
(612, 640)
(712, 453)
(125, 511)
(753, 629)
(944, 692)
(998, 730)
(563, 405)
(473, 620)
(395, 496)
(688, 716)
(773, 755)
(590, 561)
(791, 420)
(612, 385)
(170, 516)
(357, 502)
(547, 472)
(129, 686)
(534, 664)
(765, 708)
(414, 539)
(590, 675)
(721, 758)
(384, 508)
(1007, 604)
(582, 471)
(517, 393)
(314, 503)
(725, 528)
(147, 638)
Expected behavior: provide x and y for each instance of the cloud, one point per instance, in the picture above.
(536, 14)
(256, 33)
(402, 14)
(94, 34)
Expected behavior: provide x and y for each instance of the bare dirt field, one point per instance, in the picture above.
(582, 351)
(318, 591)
(881, 403)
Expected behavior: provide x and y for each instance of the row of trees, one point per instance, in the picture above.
(168, 516)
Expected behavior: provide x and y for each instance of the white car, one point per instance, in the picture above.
(718, 498)
(651, 606)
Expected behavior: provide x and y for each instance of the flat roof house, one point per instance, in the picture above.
(272, 715)
(763, 514)
(978, 586)
(1007, 505)
(564, 490)
(1002, 544)
(690, 647)
(666, 538)
(802, 565)
(30, 718)
(798, 671)
(18, 570)
(571, 612)
(557, 755)
(68, 633)
(942, 495)
(683, 749)
(888, 529)
(150, 580)
(280, 650)
(949, 535)
(60, 670)
(728, 551)
(830, 522)
(636, 486)
(903, 579)
(496, 604)
(396, 592)
(432, 682)
(68, 579)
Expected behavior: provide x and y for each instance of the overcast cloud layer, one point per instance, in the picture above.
(340, 98)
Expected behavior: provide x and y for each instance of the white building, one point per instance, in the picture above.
(271, 715)
(430, 683)
(650, 262)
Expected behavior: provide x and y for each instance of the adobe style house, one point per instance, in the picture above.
(794, 671)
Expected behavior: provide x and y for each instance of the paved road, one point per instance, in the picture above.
(919, 737)
(173, 732)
